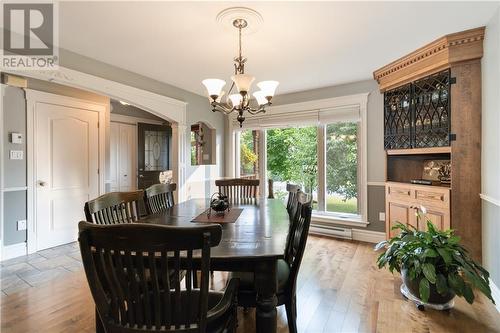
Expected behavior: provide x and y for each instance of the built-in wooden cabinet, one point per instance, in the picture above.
(432, 112)
(403, 201)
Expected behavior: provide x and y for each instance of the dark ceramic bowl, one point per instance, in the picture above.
(434, 296)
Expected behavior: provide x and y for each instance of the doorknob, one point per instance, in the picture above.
(42, 183)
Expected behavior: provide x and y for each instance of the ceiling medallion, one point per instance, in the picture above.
(241, 19)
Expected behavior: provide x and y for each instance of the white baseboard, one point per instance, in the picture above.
(368, 236)
(13, 251)
(361, 235)
(495, 292)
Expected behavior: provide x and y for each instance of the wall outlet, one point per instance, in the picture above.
(16, 154)
(381, 216)
(21, 225)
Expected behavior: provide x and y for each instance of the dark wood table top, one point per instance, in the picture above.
(259, 233)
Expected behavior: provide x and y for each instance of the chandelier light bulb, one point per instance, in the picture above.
(214, 87)
(243, 81)
(268, 87)
(235, 100)
(260, 97)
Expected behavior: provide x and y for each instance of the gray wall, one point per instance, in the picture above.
(14, 171)
(491, 147)
(200, 178)
(375, 121)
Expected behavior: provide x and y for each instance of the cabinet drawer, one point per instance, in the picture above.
(399, 191)
(436, 198)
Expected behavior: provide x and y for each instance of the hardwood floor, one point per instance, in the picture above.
(340, 289)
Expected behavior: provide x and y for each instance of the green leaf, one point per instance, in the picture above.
(429, 272)
(454, 240)
(441, 285)
(456, 283)
(468, 294)
(430, 253)
(424, 290)
(479, 283)
(445, 255)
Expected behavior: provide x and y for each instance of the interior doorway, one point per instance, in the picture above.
(66, 158)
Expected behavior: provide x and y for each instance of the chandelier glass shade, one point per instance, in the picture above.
(240, 101)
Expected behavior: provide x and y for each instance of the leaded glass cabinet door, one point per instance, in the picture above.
(397, 118)
(153, 153)
(431, 105)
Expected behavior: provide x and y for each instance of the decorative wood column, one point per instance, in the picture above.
(179, 155)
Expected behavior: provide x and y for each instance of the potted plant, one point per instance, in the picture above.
(433, 265)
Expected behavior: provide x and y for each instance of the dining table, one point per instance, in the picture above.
(253, 243)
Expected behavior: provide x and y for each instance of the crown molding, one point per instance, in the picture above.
(437, 55)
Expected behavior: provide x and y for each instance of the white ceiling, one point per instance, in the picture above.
(303, 45)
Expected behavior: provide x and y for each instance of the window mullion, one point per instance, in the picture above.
(321, 149)
(262, 160)
(237, 154)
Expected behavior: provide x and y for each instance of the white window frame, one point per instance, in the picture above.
(309, 113)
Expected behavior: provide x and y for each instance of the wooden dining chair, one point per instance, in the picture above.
(291, 205)
(126, 267)
(159, 197)
(239, 190)
(114, 207)
(287, 269)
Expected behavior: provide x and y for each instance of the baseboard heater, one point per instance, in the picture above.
(339, 232)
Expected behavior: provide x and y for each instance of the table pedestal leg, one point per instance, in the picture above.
(266, 285)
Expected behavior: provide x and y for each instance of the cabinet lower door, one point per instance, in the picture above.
(440, 219)
(398, 212)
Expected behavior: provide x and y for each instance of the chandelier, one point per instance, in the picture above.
(241, 101)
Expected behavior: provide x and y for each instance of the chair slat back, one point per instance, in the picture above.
(159, 197)
(129, 275)
(299, 232)
(291, 205)
(114, 208)
(239, 190)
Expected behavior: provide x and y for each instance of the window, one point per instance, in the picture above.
(249, 154)
(319, 145)
(342, 168)
(292, 156)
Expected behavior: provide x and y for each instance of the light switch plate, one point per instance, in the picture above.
(16, 154)
(381, 216)
(21, 225)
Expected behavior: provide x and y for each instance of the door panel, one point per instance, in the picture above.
(401, 213)
(153, 153)
(114, 150)
(440, 219)
(123, 157)
(66, 169)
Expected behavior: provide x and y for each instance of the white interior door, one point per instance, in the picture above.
(123, 159)
(66, 170)
(114, 150)
(128, 162)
